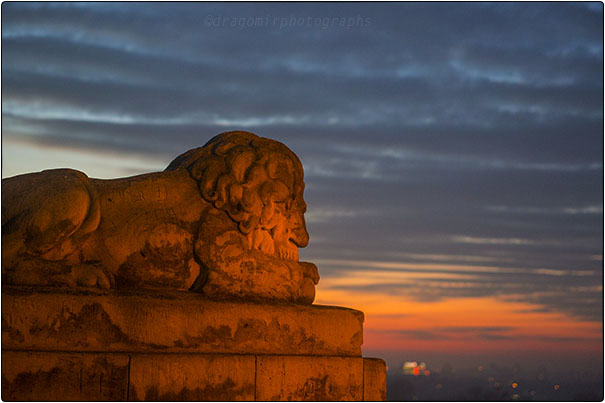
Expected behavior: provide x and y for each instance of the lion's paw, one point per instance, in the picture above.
(310, 271)
(92, 275)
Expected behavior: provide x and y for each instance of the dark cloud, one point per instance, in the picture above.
(416, 334)
(474, 329)
(474, 332)
(425, 129)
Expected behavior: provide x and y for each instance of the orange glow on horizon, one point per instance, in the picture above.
(462, 325)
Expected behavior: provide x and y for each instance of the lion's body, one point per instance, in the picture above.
(150, 231)
(174, 229)
(141, 229)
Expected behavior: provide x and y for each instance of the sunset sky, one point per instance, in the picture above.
(453, 153)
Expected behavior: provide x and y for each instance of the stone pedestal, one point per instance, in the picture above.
(180, 346)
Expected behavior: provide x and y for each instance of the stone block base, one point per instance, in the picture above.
(44, 376)
(52, 320)
(64, 376)
(104, 345)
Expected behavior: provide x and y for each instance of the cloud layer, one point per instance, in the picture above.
(460, 134)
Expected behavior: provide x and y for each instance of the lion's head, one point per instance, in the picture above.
(258, 182)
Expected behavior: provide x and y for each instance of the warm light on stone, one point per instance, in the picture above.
(97, 274)
(225, 220)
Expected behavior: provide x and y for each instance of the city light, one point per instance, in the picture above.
(415, 369)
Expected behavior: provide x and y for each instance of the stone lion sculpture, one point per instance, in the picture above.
(225, 219)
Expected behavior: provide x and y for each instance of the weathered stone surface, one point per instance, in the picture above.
(173, 321)
(64, 376)
(95, 273)
(192, 377)
(296, 378)
(51, 376)
(225, 219)
(374, 380)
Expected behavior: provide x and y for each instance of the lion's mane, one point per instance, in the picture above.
(245, 175)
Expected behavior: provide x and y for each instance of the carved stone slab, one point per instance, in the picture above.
(374, 379)
(40, 376)
(44, 376)
(192, 377)
(174, 321)
(296, 378)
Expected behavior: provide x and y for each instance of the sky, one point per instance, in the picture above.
(453, 153)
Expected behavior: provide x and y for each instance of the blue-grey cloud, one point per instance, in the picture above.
(473, 132)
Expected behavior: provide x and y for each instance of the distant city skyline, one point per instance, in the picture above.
(453, 152)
